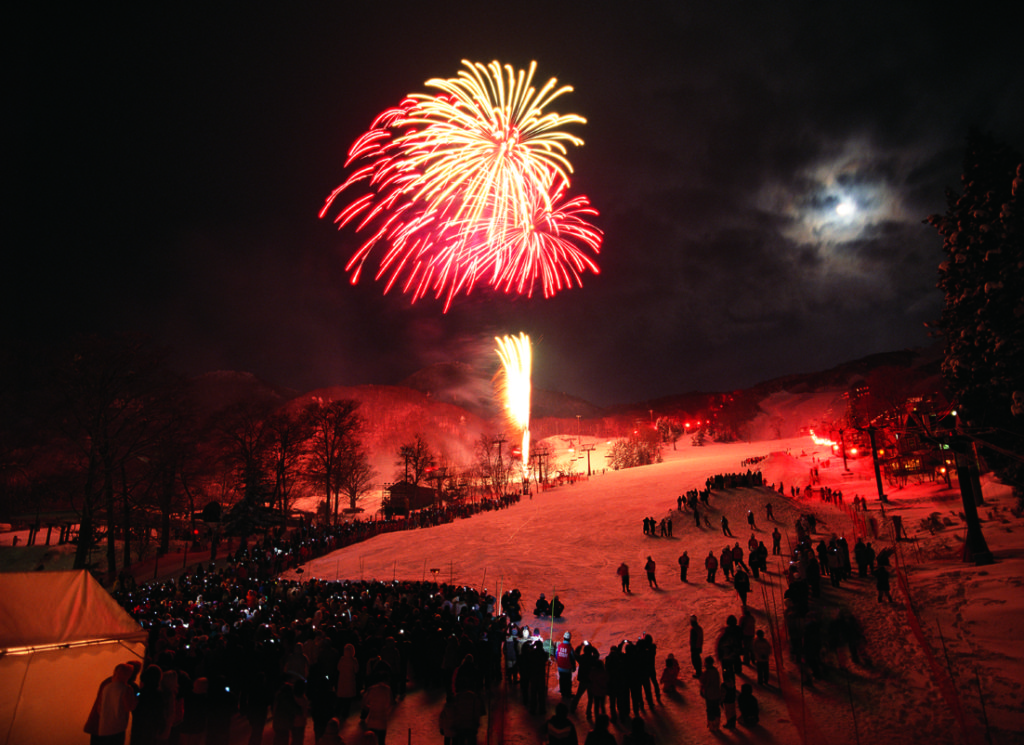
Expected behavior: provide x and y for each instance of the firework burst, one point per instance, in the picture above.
(515, 387)
(469, 185)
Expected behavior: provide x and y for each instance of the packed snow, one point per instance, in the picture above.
(941, 664)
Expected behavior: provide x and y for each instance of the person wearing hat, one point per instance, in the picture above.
(565, 661)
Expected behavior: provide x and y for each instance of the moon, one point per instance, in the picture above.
(845, 208)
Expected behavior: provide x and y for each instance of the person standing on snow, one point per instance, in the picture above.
(711, 564)
(741, 582)
(711, 692)
(696, 646)
(623, 572)
(649, 568)
(762, 650)
(684, 565)
(565, 661)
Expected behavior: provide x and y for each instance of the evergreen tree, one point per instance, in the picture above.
(983, 317)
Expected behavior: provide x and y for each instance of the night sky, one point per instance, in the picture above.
(166, 166)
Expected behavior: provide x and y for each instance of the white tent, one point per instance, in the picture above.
(61, 635)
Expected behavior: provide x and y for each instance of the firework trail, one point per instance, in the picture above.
(470, 185)
(517, 361)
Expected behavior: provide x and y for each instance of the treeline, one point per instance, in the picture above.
(105, 432)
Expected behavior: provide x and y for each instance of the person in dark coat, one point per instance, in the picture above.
(737, 557)
(600, 734)
(638, 734)
(192, 730)
(670, 676)
(623, 572)
(725, 562)
(741, 582)
(635, 672)
(684, 566)
(730, 646)
(559, 730)
(696, 646)
(255, 706)
(711, 564)
(649, 653)
(748, 706)
(882, 582)
(618, 693)
(597, 687)
(762, 651)
(148, 717)
(711, 692)
(539, 679)
(542, 606)
(649, 567)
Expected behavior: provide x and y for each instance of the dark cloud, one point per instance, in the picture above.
(167, 170)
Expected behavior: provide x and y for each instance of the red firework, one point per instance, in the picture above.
(469, 186)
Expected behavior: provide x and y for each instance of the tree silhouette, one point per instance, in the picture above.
(982, 319)
(334, 428)
(415, 459)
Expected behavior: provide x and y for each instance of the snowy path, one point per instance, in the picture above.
(569, 540)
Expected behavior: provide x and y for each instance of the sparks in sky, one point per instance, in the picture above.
(517, 362)
(470, 185)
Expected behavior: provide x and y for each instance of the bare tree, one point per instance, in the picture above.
(356, 475)
(245, 437)
(415, 459)
(108, 386)
(287, 444)
(333, 427)
(492, 464)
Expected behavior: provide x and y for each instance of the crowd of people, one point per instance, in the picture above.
(747, 479)
(235, 641)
